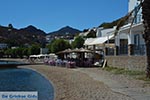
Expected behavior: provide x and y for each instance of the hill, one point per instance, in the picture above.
(33, 29)
(110, 24)
(65, 31)
(15, 37)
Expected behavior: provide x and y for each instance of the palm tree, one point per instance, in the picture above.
(146, 35)
(145, 4)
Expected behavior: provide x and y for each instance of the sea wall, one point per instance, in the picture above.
(127, 62)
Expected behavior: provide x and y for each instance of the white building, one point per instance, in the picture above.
(134, 37)
(3, 45)
(136, 43)
(132, 5)
(43, 50)
(126, 42)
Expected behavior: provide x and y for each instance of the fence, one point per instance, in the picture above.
(123, 50)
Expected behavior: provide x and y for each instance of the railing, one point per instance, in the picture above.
(110, 51)
(123, 50)
(140, 50)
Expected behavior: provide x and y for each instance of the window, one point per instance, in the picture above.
(137, 40)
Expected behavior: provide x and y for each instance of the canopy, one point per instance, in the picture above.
(76, 51)
(32, 56)
(97, 41)
(65, 51)
(82, 50)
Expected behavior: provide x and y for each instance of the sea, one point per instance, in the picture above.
(26, 80)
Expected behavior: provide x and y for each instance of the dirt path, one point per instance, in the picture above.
(136, 89)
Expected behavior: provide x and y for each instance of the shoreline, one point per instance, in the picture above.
(73, 85)
(90, 83)
(42, 74)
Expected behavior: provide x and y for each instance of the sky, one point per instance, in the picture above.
(51, 15)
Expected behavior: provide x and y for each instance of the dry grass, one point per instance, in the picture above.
(135, 74)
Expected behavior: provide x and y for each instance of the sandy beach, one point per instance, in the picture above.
(70, 84)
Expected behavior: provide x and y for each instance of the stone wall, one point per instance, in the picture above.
(127, 62)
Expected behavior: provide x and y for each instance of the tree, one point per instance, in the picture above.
(34, 50)
(85, 30)
(19, 52)
(10, 27)
(78, 42)
(26, 52)
(59, 45)
(109, 25)
(146, 35)
(8, 52)
(91, 34)
(49, 46)
(1, 53)
(11, 53)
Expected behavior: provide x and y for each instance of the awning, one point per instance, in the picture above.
(136, 28)
(89, 41)
(81, 50)
(97, 41)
